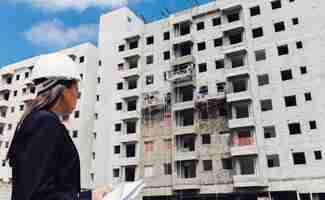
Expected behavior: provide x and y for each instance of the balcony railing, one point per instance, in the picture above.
(243, 141)
(181, 74)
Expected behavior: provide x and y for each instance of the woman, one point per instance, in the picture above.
(44, 160)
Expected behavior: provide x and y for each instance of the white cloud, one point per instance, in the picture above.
(79, 5)
(54, 34)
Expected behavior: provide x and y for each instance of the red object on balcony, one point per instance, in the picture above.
(243, 141)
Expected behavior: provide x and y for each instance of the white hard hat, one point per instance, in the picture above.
(54, 67)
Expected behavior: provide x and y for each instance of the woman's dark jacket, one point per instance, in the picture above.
(45, 162)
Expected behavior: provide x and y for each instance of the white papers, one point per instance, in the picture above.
(126, 191)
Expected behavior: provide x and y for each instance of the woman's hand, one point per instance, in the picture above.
(100, 192)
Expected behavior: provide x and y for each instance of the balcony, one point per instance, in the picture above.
(239, 96)
(129, 115)
(186, 183)
(177, 39)
(237, 71)
(181, 74)
(241, 122)
(129, 53)
(125, 161)
(151, 100)
(28, 97)
(4, 102)
(183, 105)
(182, 130)
(128, 137)
(244, 181)
(185, 154)
(243, 146)
(125, 73)
(179, 60)
(132, 93)
(206, 97)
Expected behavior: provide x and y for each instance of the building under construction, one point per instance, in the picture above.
(220, 101)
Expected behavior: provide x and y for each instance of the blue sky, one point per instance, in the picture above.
(33, 27)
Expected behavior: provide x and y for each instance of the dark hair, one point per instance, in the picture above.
(43, 101)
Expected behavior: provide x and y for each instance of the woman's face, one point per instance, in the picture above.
(70, 97)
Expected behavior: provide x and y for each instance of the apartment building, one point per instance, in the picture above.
(220, 101)
(17, 89)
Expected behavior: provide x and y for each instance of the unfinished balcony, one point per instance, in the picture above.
(186, 175)
(131, 88)
(129, 154)
(233, 40)
(182, 53)
(241, 115)
(3, 114)
(232, 17)
(129, 131)
(184, 122)
(181, 73)
(236, 63)
(243, 142)
(30, 93)
(183, 97)
(132, 47)
(129, 173)
(152, 101)
(238, 88)
(130, 112)
(247, 175)
(6, 80)
(185, 147)
(130, 67)
(4, 97)
(182, 32)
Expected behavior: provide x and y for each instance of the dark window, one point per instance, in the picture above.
(150, 40)
(290, 101)
(233, 17)
(260, 55)
(116, 173)
(218, 42)
(132, 84)
(295, 21)
(15, 93)
(299, 158)
(220, 64)
(299, 45)
(21, 107)
(82, 59)
(291, 1)
(226, 163)
(202, 67)
(279, 26)
(75, 134)
(308, 96)
(76, 114)
(131, 127)
(216, 21)
(266, 105)
(312, 125)
(269, 132)
(100, 63)
(283, 50)
(303, 70)
(119, 86)
(318, 155)
(98, 79)
(286, 75)
(97, 97)
(166, 35)
(131, 105)
(168, 168)
(257, 32)
(276, 4)
(121, 47)
(118, 127)
(294, 128)
(206, 139)
(166, 55)
(149, 59)
(263, 79)
(207, 165)
(17, 77)
(200, 26)
(133, 44)
(119, 106)
(273, 161)
(201, 46)
(149, 80)
(117, 149)
(26, 74)
(255, 11)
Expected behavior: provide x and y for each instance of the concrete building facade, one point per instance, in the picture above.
(223, 100)
(16, 89)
